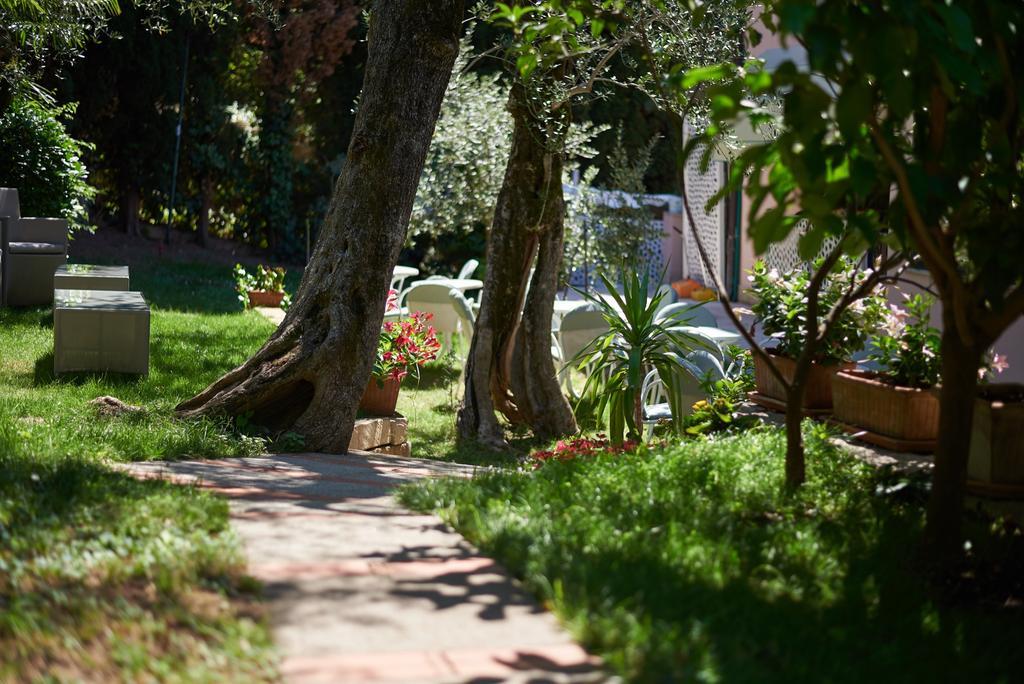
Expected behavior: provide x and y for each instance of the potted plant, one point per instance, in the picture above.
(996, 461)
(896, 404)
(781, 308)
(404, 346)
(264, 287)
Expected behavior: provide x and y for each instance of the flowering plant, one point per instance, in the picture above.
(907, 347)
(392, 304)
(264, 279)
(404, 346)
(993, 364)
(782, 309)
(567, 450)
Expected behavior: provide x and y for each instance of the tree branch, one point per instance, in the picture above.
(594, 73)
(939, 263)
(929, 250)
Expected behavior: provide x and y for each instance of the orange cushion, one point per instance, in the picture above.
(685, 288)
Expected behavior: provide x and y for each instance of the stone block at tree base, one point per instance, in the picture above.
(386, 435)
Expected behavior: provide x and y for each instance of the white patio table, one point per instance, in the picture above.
(562, 307)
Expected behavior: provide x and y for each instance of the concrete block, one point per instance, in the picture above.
(371, 433)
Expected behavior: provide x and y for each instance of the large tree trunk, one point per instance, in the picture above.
(960, 361)
(528, 226)
(311, 373)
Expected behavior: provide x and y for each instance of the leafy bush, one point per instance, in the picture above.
(781, 308)
(465, 165)
(617, 231)
(43, 162)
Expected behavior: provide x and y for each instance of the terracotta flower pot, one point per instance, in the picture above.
(265, 298)
(380, 397)
(818, 394)
(997, 438)
(864, 400)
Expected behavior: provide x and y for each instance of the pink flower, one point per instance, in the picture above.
(999, 363)
(895, 321)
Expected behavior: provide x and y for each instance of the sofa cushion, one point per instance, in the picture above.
(35, 248)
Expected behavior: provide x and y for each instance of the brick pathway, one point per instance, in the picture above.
(361, 590)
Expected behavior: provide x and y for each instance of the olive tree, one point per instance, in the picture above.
(558, 51)
(311, 373)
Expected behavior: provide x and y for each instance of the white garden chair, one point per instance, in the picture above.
(468, 269)
(467, 318)
(695, 366)
(576, 331)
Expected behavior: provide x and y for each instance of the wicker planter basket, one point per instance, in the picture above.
(818, 394)
(380, 400)
(996, 460)
(265, 298)
(910, 414)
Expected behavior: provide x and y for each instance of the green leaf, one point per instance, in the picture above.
(526, 63)
(715, 72)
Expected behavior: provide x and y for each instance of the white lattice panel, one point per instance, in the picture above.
(784, 256)
(700, 187)
(651, 254)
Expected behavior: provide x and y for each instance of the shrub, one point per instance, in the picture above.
(617, 361)
(782, 309)
(43, 162)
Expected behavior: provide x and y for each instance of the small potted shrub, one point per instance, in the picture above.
(264, 287)
(781, 308)
(896, 402)
(404, 346)
(996, 461)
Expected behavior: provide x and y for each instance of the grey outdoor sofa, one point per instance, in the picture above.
(31, 249)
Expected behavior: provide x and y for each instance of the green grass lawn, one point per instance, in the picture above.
(101, 576)
(691, 564)
(431, 406)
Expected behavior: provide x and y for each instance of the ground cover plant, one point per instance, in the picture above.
(103, 577)
(694, 563)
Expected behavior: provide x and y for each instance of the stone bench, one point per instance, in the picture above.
(100, 330)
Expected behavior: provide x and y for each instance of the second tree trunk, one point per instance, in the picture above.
(510, 367)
